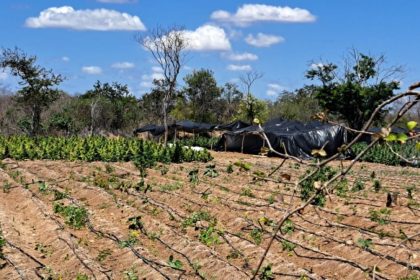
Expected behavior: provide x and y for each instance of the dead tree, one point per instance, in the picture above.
(167, 47)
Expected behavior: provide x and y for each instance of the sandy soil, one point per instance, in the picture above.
(323, 243)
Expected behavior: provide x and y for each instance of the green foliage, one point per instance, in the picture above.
(358, 185)
(43, 187)
(131, 274)
(103, 255)
(130, 242)
(355, 95)
(364, 243)
(211, 171)
(229, 168)
(135, 223)
(37, 92)
(171, 187)
(381, 153)
(202, 92)
(410, 190)
(307, 187)
(256, 235)
(287, 246)
(174, 263)
(209, 236)
(377, 186)
(198, 216)
(342, 187)
(82, 277)
(144, 153)
(193, 176)
(74, 216)
(411, 277)
(381, 216)
(251, 108)
(199, 141)
(243, 166)
(2, 244)
(267, 273)
(288, 227)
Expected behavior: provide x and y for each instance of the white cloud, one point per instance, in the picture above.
(274, 89)
(65, 59)
(98, 19)
(116, 1)
(250, 13)
(241, 56)
(234, 67)
(316, 66)
(207, 38)
(92, 70)
(123, 65)
(263, 40)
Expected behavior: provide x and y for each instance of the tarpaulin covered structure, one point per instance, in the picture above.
(193, 127)
(296, 138)
(233, 126)
(155, 130)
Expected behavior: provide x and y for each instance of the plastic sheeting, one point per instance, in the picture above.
(296, 138)
(233, 126)
(193, 127)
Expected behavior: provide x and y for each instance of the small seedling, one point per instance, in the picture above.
(364, 243)
(176, 264)
(135, 223)
(193, 176)
(247, 192)
(288, 227)
(381, 216)
(377, 185)
(75, 216)
(211, 171)
(229, 168)
(209, 236)
(358, 185)
(267, 273)
(287, 246)
(256, 235)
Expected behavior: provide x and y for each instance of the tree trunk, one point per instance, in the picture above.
(165, 120)
(36, 121)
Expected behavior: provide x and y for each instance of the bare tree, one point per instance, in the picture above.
(249, 78)
(167, 47)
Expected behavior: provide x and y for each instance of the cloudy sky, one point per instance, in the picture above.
(89, 40)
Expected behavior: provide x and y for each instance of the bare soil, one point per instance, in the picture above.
(337, 241)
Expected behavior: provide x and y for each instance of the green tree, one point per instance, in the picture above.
(290, 103)
(202, 92)
(354, 95)
(251, 107)
(38, 90)
(116, 97)
(230, 100)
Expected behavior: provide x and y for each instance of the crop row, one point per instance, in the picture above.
(95, 149)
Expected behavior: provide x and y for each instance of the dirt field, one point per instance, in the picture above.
(216, 228)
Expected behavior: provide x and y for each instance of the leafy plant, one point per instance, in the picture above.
(267, 273)
(229, 168)
(288, 227)
(256, 235)
(174, 263)
(247, 192)
(135, 223)
(43, 187)
(364, 243)
(2, 244)
(131, 274)
(358, 185)
(198, 216)
(308, 186)
(209, 236)
(381, 216)
(243, 166)
(82, 277)
(211, 171)
(193, 176)
(75, 216)
(103, 254)
(377, 185)
(287, 246)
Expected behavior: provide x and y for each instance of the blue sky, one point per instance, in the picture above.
(89, 40)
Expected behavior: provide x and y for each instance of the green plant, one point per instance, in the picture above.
(174, 263)
(75, 216)
(198, 216)
(288, 227)
(171, 187)
(358, 185)
(6, 187)
(59, 195)
(287, 246)
(267, 273)
(103, 254)
(229, 168)
(411, 277)
(377, 185)
(211, 171)
(271, 199)
(243, 166)
(364, 243)
(130, 242)
(135, 223)
(2, 244)
(308, 186)
(342, 187)
(209, 236)
(43, 187)
(410, 190)
(131, 274)
(82, 277)
(193, 176)
(256, 235)
(381, 216)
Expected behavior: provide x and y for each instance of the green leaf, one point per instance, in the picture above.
(418, 146)
(391, 138)
(411, 125)
(402, 138)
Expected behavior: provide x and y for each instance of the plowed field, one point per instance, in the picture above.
(188, 225)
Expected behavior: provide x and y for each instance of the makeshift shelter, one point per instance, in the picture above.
(233, 126)
(291, 137)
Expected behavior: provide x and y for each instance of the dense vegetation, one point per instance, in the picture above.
(95, 149)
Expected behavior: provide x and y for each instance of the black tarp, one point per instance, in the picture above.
(299, 139)
(155, 130)
(193, 127)
(233, 126)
